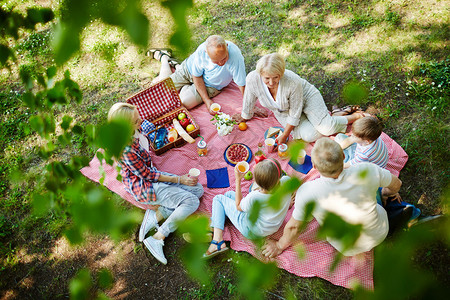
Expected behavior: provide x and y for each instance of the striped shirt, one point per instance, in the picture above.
(376, 153)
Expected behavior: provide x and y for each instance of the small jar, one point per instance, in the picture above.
(202, 149)
(282, 151)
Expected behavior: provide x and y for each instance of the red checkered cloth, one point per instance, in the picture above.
(157, 100)
(319, 254)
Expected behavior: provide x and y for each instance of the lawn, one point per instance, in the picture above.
(396, 50)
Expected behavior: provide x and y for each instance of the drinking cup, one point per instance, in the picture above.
(194, 173)
(215, 107)
(301, 157)
(243, 167)
(270, 144)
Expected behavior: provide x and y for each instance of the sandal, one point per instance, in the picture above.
(219, 250)
(173, 63)
(348, 110)
(158, 53)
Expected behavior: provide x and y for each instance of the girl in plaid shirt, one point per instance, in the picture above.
(175, 196)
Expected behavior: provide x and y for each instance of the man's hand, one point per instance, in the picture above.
(395, 197)
(270, 249)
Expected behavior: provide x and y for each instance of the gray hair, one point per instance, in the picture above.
(328, 157)
(215, 41)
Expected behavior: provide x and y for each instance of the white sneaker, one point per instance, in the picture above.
(148, 223)
(156, 248)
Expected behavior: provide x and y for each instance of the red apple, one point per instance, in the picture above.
(184, 122)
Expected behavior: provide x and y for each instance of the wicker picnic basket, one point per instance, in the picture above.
(160, 104)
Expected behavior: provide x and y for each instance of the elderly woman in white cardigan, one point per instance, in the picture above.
(297, 104)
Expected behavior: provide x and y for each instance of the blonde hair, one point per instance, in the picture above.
(328, 157)
(122, 110)
(367, 128)
(271, 64)
(267, 174)
(215, 41)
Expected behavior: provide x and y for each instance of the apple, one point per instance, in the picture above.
(181, 116)
(184, 122)
(248, 175)
(190, 127)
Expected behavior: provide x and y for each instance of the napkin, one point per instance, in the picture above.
(305, 168)
(217, 178)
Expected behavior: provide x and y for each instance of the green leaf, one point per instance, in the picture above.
(284, 189)
(253, 276)
(79, 286)
(42, 204)
(135, 23)
(66, 122)
(354, 93)
(335, 227)
(5, 54)
(254, 212)
(51, 72)
(66, 41)
(105, 279)
(74, 235)
(39, 15)
(114, 136)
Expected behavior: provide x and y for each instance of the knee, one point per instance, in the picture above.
(198, 190)
(230, 194)
(188, 98)
(310, 135)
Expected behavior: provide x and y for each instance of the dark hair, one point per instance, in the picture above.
(267, 173)
(367, 128)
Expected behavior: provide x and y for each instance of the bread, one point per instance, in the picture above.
(273, 132)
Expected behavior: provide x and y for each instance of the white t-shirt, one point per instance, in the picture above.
(352, 196)
(269, 220)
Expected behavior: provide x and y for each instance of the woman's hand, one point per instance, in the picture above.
(281, 139)
(238, 175)
(186, 180)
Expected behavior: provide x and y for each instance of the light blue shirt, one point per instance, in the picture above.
(200, 65)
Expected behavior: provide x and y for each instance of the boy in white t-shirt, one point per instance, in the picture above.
(267, 174)
(369, 145)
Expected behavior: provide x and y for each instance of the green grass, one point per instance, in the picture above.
(398, 52)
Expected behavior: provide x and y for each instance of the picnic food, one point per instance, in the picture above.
(184, 122)
(236, 153)
(190, 127)
(248, 175)
(243, 126)
(182, 132)
(273, 132)
(181, 116)
(173, 135)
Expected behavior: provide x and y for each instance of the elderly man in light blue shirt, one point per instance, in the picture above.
(207, 71)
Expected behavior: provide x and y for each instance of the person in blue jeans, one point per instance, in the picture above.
(267, 175)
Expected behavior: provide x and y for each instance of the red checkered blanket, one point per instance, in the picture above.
(319, 254)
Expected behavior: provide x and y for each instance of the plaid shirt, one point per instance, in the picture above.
(138, 173)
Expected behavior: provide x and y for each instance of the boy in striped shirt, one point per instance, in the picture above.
(369, 145)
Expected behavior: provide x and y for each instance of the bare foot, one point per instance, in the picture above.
(237, 118)
(260, 112)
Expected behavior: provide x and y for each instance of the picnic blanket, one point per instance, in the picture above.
(319, 254)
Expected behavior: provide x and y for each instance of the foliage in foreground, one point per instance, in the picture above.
(50, 89)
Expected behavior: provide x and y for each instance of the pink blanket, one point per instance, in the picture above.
(319, 254)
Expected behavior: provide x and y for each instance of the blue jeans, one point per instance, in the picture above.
(177, 202)
(225, 206)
